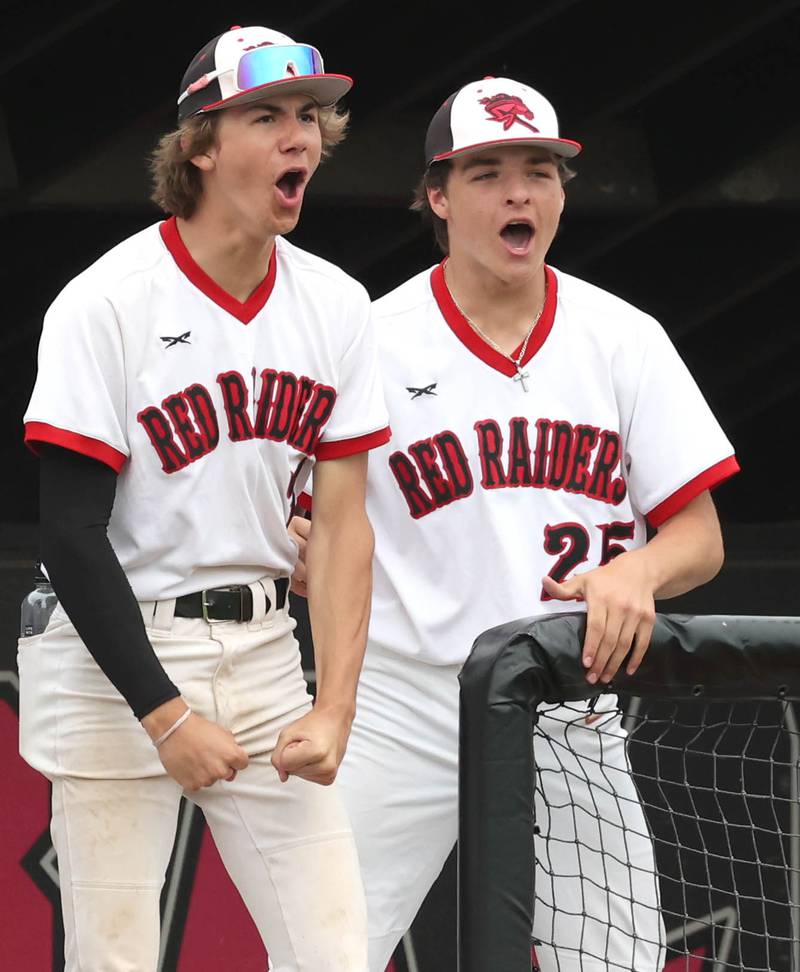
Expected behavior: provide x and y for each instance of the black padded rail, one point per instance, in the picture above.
(515, 667)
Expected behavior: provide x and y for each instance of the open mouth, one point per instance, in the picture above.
(290, 185)
(517, 236)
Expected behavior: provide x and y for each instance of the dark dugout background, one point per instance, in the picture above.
(685, 204)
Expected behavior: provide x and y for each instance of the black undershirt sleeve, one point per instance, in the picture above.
(76, 499)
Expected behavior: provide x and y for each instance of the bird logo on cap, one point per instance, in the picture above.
(509, 110)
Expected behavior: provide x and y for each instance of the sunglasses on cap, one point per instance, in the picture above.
(266, 65)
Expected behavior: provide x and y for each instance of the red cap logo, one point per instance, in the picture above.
(508, 109)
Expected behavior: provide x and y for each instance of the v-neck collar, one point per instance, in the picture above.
(470, 338)
(242, 311)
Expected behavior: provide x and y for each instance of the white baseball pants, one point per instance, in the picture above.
(287, 846)
(597, 907)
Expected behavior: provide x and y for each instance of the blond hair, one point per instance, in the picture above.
(177, 182)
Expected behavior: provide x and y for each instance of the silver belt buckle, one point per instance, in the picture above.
(205, 605)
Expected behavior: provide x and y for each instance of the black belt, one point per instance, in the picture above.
(233, 603)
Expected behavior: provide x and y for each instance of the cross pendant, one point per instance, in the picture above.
(520, 377)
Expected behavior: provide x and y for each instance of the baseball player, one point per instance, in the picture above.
(188, 382)
(539, 425)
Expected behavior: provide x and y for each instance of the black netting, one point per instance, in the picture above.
(665, 833)
(691, 861)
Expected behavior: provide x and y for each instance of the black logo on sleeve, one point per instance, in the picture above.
(170, 342)
(419, 392)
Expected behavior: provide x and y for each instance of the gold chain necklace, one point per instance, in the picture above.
(521, 375)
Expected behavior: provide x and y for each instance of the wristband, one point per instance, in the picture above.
(175, 725)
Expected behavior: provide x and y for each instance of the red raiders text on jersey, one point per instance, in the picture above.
(579, 459)
(288, 409)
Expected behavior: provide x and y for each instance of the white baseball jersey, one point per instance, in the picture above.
(212, 411)
(485, 487)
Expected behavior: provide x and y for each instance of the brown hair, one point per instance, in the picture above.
(436, 176)
(177, 182)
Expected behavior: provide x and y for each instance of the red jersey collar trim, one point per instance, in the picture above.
(469, 337)
(243, 312)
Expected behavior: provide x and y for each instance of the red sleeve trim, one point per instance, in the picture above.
(38, 432)
(349, 447)
(304, 502)
(709, 479)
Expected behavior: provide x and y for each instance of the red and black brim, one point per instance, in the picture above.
(324, 89)
(563, 147)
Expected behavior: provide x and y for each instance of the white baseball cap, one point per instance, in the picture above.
(245, 63)
(494, 111)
